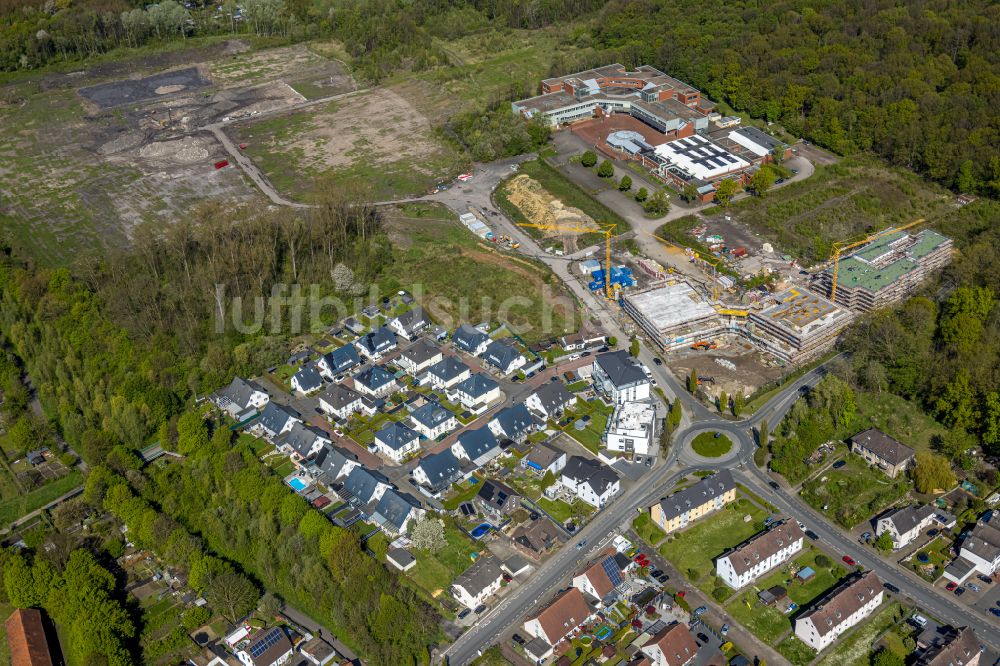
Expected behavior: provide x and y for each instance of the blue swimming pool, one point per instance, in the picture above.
(479, 530)
(298, 484)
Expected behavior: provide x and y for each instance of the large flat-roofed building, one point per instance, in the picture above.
(697, 158)
(673, 315)
(661, 101)
(632, 428)
(886, 270)
(797, 324)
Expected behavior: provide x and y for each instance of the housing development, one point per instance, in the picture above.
(613, 374)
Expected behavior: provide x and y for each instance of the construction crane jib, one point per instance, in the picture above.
(606, 229)
(842, 246)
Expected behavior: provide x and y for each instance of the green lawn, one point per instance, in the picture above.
(939, 558)
(711, 444)
(797, 652)
(16, 507)
(559, 510)
(854, 650)
(436, 571)
(852, 493)
(770, 624)
(695, 549)
(463, 492)
(591, 435)
(647, 530)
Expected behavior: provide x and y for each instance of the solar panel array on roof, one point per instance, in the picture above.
(265, 643)
(702, 152)
(611, 569)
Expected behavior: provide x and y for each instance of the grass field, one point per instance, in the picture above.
(853, 492)
(468, 280)
(590, 436)
(854, 650)
(435, 571)
(768, 623)
(711, 445)
(840, 201)
(899, 418)
(647, 530)
(14, 508)
(694, 550)
(797, 652)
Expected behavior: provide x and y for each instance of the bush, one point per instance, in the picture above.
(606, 170)
(588, 159)
(823, 561)
(720, 594)
(642, 194)
(625, 184)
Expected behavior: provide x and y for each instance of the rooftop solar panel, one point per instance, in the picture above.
(611, 569)
(265, 643)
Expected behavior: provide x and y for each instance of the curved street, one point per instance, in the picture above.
(556, 572)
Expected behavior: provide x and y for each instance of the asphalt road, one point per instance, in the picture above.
(681, 461)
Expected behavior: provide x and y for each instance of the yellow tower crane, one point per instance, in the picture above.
(606, 229)
(840, 247)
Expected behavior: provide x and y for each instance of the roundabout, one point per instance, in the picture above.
(711, 444)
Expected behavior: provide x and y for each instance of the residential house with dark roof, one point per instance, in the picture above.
(550, 400)
(478, 583)
(275, 420)
(544, 458)
(268, 647)
(561, 618)
(438, 471)
(447, 372)
(240, 398)
(590, 480)
(537, 538)
(27, 641)
(889, 454)
(514, 423)
(307, 380)
(846, 606)
(604, 580)
(396, 441)
(338, 361)
(475, 393)
(503, 357)
(395, 510)
(335, 463)
(340, 402)
(759, 554)
(419, 356)
(905, 524)
(375, 381)
(376, 344)
(303, 441)
(410, 323)
(479, 446)
(496, 500)
(673, 645)
(432, 420)
(688, 505)
(954, 647)
(470, 339)
(363, 486)
(619, 379)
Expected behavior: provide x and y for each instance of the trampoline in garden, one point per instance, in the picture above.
(586, 640)
(603, 632)
(479, 530)
(923, 558)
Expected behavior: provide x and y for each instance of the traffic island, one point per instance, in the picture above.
(712, 445)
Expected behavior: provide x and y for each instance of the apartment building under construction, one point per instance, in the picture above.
(886, 270)
(797, 324)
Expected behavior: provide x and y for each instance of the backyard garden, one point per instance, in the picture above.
(852, 493)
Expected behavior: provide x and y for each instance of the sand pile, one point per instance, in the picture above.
(180, 151)
(540, 207)
(166, 90)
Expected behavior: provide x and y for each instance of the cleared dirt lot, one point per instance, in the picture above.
(87, 156)
(753, 368)
(374, 137)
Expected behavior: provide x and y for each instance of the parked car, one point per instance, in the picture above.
(464, 614)
(724, 630)
(812, 535)
(973, 587)
(995, 611)
(581, 544)
(866, 537)
(703, 638)
(657, 360)
(517, 638)
(959, 591)
(585, 354)
(849, 561)
(700, 610)
(480, 609)
(662, 578)
(891, 587)
(951, 586)
(774, 485)
(839, 464)
(985, 579)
